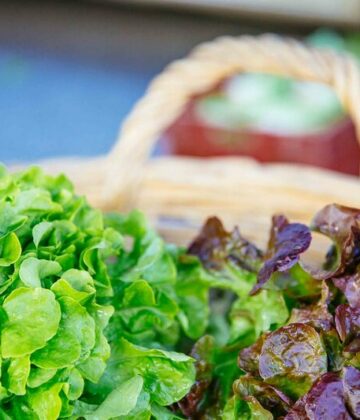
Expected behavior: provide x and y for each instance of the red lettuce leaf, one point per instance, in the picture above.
(214, 246)
(342, 225)
(317, 315)
(248, 359)
(325, 400)
(350, 286)
(287, 242)
(268, 396)
(347, 321)
(351, 382)
(292, 359)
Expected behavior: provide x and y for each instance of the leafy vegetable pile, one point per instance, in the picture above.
(100, 319)
(297, 326)
(65, 272)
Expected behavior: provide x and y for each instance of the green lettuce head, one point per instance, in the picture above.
(65, 272)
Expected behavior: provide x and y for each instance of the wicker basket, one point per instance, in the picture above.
(179, 193)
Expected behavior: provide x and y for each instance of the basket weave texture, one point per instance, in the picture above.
(179, 193)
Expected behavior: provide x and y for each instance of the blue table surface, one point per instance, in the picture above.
(52, 105)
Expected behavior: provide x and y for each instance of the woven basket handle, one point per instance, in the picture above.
(208, 64)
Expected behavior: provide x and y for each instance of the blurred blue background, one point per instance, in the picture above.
(61, 105)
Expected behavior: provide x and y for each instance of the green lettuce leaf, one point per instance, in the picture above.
(33, 319)
(167, 376)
